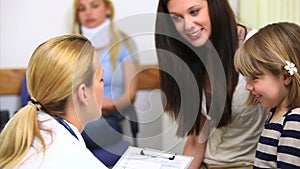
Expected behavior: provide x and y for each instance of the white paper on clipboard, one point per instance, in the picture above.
(137, 158)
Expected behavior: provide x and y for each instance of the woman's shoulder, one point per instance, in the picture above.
(124, 46)
(128, 52)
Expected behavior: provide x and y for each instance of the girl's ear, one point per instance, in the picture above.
(82, 94)
(287, 79)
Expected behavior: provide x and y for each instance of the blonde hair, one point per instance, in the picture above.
(117, 36)
(52, 76)
(269, 49)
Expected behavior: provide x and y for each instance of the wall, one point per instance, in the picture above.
(24, 25)
(258, 13)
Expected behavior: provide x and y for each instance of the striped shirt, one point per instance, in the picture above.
(279, 143)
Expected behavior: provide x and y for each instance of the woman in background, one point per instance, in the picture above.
(204, 36)
(95, 20)
(64, 80)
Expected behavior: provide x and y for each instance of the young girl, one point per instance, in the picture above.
(270, 59)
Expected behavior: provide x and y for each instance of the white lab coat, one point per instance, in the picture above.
(64, 150)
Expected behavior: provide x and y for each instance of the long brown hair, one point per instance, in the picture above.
(224, 38)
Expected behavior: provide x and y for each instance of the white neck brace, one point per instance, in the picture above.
(99, 36)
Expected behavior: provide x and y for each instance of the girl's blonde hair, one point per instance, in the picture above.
(269, 49)
(117, 36)
(52, 76)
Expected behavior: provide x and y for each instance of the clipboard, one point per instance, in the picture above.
(137, 158)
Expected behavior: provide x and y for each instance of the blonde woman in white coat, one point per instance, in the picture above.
(64, 80)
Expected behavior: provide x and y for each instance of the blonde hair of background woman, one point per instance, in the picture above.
(269, 49)
(117, 36)
(52, 76)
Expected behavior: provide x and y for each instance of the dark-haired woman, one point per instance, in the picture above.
(196, 40)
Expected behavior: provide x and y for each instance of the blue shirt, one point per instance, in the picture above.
(114, 79)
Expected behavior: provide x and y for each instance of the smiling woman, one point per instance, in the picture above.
(191, 20)
(203, 35)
